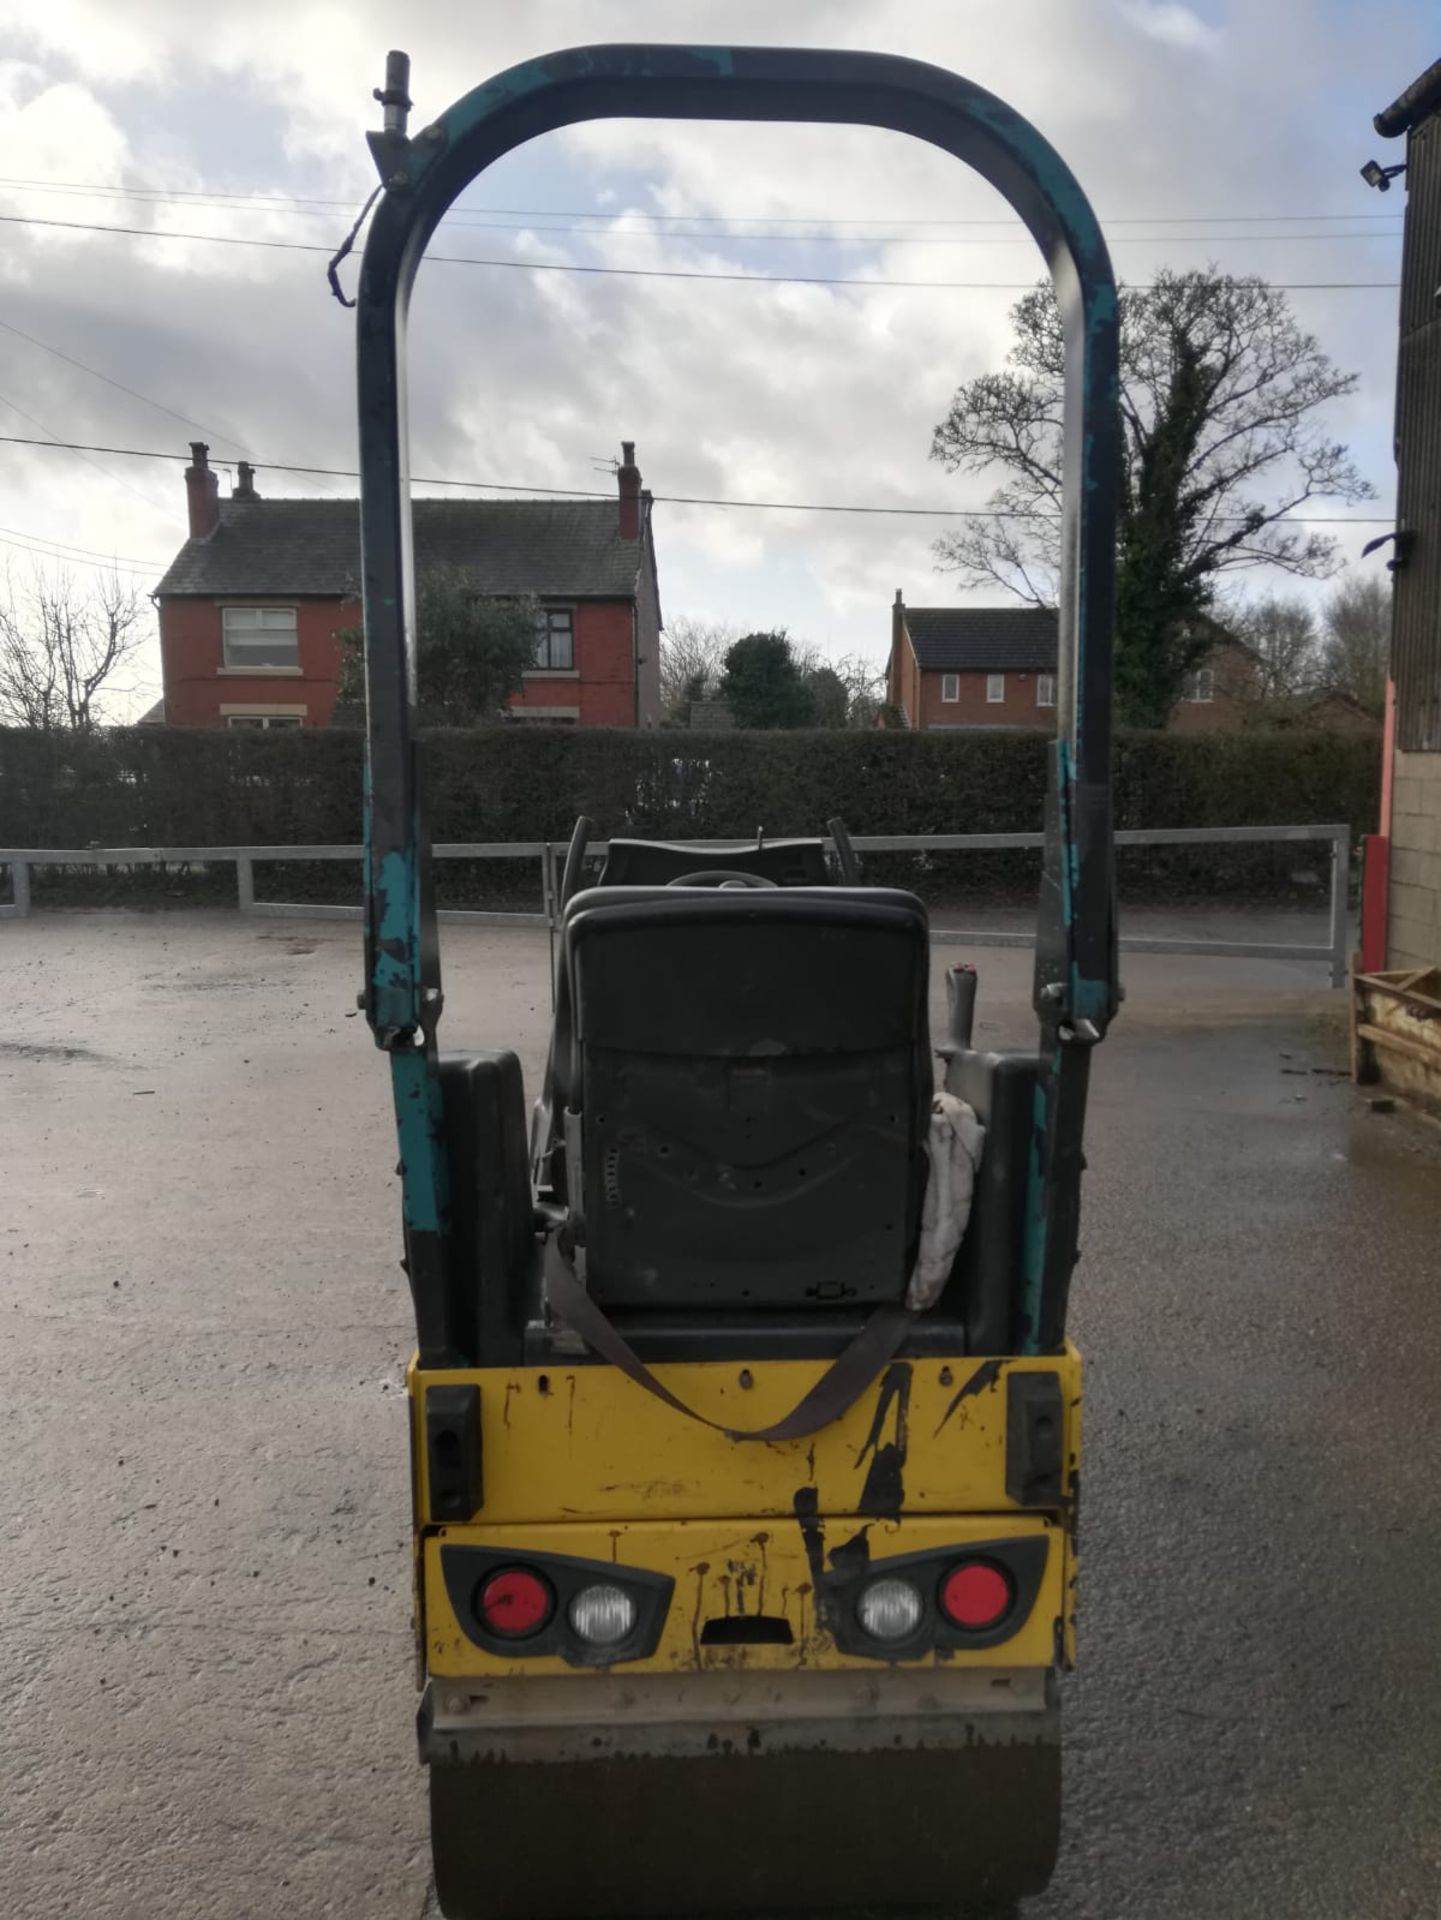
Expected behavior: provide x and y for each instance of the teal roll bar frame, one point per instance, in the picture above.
(1076, 984)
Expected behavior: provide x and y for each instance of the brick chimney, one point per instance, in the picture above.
(628, 480)
(202, 492)
(244, 488)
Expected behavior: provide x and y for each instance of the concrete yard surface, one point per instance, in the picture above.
(205, 1660)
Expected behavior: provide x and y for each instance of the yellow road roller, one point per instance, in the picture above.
(745, 1428)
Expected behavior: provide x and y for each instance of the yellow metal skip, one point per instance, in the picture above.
(577, 1460)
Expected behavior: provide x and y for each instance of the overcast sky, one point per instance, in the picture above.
(1202, 132)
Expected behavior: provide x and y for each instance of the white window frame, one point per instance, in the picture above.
(1045, 689)
(263, 718)
(1199, 687)
(950, 688)
(550, 622)
(995, 689)
(257, 631)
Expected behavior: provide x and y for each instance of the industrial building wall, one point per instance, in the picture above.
(1413, 904)
(1416, 636)
(1413, 922)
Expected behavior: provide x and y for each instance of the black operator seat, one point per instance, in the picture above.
(648, 864)
(751, 1070)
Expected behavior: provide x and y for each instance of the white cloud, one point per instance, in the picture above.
(1169, 21)
(113, 43)
(56, 130)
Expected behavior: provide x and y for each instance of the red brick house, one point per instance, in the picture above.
(996, 667)
(254, 602)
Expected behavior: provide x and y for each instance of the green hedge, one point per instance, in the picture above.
(155, 786)
(199, 787)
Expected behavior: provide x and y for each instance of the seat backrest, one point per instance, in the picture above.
(655, 863)
(751, 1071)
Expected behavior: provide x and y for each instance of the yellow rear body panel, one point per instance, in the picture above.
(585, 1443)
(578, 1460)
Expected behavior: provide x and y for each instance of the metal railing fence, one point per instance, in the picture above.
(547, 854)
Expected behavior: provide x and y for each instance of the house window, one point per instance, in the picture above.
(950, 687)
(259, 639)
(995, 688)
(554, 640)
(1199, 687)
(1045, 689)
(265, 721)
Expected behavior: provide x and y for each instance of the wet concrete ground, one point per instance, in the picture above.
(205, 1691)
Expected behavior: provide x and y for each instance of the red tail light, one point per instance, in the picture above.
(976, 1595)
(514, 1603)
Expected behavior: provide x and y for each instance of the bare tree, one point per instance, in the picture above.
(1220, 398)
(61, 644)
(692, 659)
(1279, 634)
(1356, 640)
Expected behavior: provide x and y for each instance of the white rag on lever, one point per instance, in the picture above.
(954, 1147)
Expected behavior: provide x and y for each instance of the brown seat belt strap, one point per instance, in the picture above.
(834, 1394)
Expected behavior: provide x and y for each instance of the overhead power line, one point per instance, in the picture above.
(147, 399)
(98, 566)
(259, 197)
(701, 234)
(120, 386)
(669, 499)
(54, 440)
(540, 221)
(79, 556)
(638, 273)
